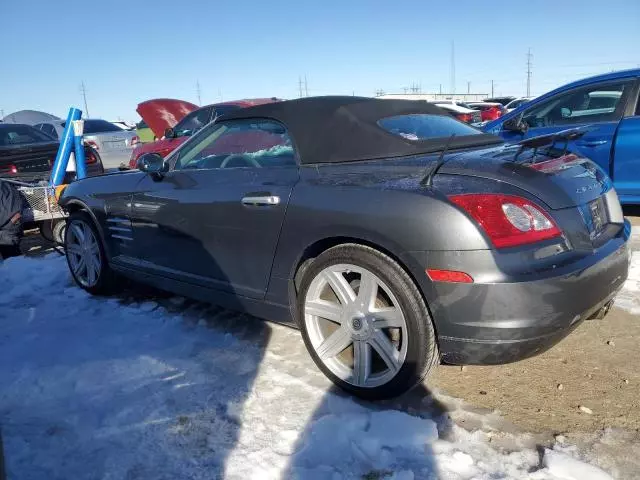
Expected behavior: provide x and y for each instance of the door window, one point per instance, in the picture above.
(238, 144)
(592, 104)
(192, 122)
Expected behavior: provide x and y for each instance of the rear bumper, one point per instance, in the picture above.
(508, 320)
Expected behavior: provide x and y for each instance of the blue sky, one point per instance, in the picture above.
(130, 52)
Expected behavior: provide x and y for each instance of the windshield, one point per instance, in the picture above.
(98, 126)
(424, 126)
(11, 134)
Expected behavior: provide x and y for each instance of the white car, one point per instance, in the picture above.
(112, 142)
(124, 125)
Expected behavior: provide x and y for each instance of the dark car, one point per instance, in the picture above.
(392, 235)
(27, 154)
(501, 100)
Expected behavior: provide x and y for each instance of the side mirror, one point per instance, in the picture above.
(151, 163)
(169, 133)
(516, 124)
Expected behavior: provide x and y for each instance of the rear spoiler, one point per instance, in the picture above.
(552, 138)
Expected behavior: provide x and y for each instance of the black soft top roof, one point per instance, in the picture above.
(343, 128)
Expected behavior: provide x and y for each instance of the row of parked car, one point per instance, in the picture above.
(608, 104)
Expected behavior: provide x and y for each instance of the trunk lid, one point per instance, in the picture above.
(559, 181)
(27, 162)
(109, 141)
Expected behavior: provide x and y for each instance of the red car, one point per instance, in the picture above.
(488, 110)
(172, 134)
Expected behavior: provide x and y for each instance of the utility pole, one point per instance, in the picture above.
(198, 92)
(306, 88)
(529, 72)
(453, 68)
(299, 86)
(440, 89)
(491, 88)
(83, 90)
(220, 94)
(468, 87)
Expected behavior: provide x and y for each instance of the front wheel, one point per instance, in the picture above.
(86, 256)
(365, 323)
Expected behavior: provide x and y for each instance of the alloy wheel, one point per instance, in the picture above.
(355, 325)
(83, 253)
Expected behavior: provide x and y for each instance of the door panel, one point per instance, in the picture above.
(626, 164)
(194, 226)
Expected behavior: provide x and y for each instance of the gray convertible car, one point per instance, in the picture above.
(392, 235)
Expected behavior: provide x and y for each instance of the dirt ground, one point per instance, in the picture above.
(598, 366)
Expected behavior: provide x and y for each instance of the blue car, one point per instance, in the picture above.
(608, 104)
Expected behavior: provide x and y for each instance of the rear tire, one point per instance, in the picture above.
(374, 345)
(53, 230)
(86, 256)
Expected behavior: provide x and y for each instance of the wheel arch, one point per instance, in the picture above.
(75, 205)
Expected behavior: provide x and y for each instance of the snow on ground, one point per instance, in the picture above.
(119, 388)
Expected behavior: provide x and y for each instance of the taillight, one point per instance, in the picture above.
(556, 164)
(465, 117)
(494, 113)
(92, 144)
(134, 158)
(8, 169)
(134, 141)
(508, 220)
(90, 157)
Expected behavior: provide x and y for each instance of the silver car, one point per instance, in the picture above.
(112, 143)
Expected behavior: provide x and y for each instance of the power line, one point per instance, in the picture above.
(83, 90)
(453, 68)
(529, 55)
(198, 92)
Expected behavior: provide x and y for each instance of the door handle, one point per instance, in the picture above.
(592, 143)
(266, 200)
